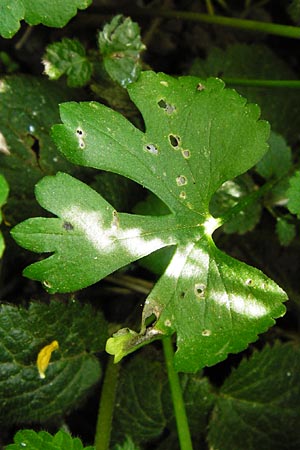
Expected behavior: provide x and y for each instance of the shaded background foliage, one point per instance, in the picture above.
(176, 47)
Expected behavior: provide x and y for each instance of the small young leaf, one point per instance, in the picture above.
(120, 45)
(68, 57)
(4, 189)
(229, 194)
(293, 194)
(294, 10)
(286, 231)
(194, 131)
(48, 12)
(42, 440)
(72, 371)
(278, 159)
(258, 405)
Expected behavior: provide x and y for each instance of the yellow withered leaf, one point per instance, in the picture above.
(44, 357)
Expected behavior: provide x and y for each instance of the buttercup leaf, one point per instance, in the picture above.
(197, 136)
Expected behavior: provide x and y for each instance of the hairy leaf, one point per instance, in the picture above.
(258, 405)
(194, 131)
(72, 371)
(120, 45)
(42, 440)
(52, 13)
(68, 57)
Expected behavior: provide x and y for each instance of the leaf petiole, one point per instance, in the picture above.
(177, 397)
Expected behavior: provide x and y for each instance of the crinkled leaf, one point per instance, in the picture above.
(28, 108)
(286, 231)
(194, 131)
(68, 57)
(258, 405)
(52, 13)
(144, 405)
(73, 369)
(293, 194)
(279, 106)
(120, 45)
(43, 440)
(278, 159)
(4, 189)
(229, 194)
(294, 10)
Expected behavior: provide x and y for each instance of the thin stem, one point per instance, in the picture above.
(178, 403)
(291, 84)
(252, 25)
(106, 406)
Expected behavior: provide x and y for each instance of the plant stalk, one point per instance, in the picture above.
(106, 406)
(288, 31)
(178, 402)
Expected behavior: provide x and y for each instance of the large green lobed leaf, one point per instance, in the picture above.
(53, 13)
(198, 135)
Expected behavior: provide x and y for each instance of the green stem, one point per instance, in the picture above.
(291, 84)
(252, 25)
(178, 403)
(106, 406)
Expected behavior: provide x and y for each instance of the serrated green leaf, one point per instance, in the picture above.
(278, 106)
(52, 13)
(194, 131)
(258, 405)
(286, 231)
(72, 371)
(293, 194)
(278, 159)
(120, 45)
(144, 404)
(4, 189)
(42, 440)
(68, 57)
(127, 445)
(229, 194)
(28, 108)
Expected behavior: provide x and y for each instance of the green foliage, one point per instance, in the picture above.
(28, 108)
(4, 189)
(229, 194)
(72, 371)
(257, 406)
(257, 62)
(294, 10)
(120, 45)
(286, 231)
(199, 277)
(145, 405)
(277, 161)
(293, 194)
(48, 12)
(43, 440)
(127, 445)
(69, 58)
